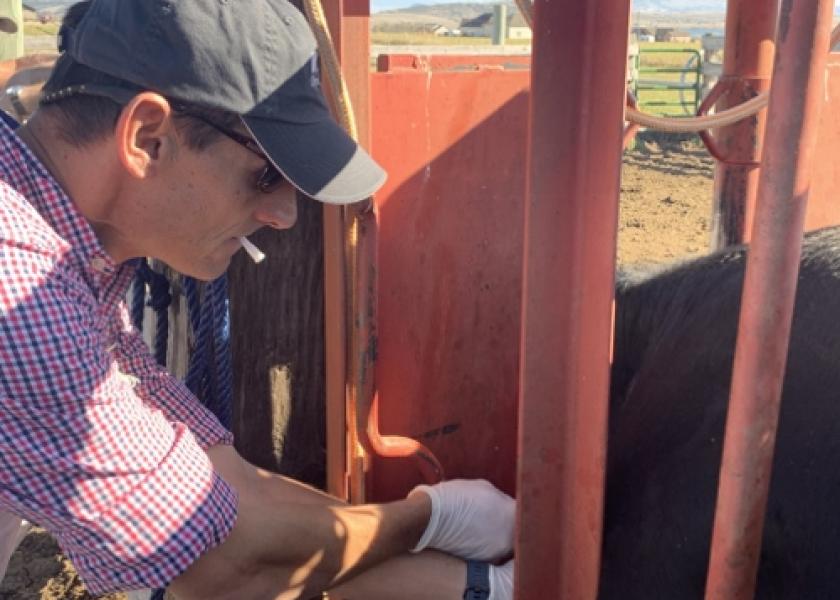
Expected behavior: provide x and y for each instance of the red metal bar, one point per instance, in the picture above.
(394, 446)
(631, 129)
(450, 62)
(576, 130)
(747, 63)
(349, 26)
(360, 253)
(709, 101)
(769, 289)
(361, 385)
(335, 334)
(349, 20)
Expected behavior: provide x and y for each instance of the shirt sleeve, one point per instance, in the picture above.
(127, 490)
(160, 389)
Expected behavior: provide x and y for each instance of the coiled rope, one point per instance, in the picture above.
(210, 380)
(149, 282)
(210, 371)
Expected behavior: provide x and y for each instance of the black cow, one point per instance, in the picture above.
(675, 339)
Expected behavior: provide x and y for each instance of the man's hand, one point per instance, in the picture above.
(470, 519)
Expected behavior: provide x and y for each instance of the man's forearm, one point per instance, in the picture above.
(290, 541)
(364, 535)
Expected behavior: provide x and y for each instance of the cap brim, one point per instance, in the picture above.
(318, 158)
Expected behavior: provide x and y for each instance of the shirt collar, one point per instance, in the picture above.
(26, 174)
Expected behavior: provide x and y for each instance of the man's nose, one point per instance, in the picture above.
(278, 209)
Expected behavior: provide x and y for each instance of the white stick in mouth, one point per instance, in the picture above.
(256, 255)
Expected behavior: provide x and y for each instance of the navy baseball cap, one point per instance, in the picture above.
(254, 58)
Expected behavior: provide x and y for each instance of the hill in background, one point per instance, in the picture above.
(451, 15)
(56, 8)
(418, 15)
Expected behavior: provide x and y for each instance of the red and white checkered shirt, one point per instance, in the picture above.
(98, 444)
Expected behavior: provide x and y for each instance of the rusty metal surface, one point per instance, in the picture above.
(361, 386)
(576, 132)
(450, 253)
(630, 129)
(451, 62)
(769, 288)
(747, 65)
(349, 27)
(335, 336)
(823, 202)
(720, 88)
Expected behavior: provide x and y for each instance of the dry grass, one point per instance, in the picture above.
(37, 28)
(406, 38)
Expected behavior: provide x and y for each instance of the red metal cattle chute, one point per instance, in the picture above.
(451, 247)
(747, 63)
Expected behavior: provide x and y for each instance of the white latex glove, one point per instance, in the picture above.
(470, 519)
(501, 581)
(12, 530)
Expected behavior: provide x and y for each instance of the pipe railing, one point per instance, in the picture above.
(796, 97)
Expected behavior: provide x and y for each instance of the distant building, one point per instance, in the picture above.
(441, 30)
(642, 34)
(681, 37)
(518, 28)
(480, 26)
(669, 34)
(663, 34)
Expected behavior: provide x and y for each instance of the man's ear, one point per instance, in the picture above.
(145, 134)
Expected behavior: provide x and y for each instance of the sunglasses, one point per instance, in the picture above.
(270, 178)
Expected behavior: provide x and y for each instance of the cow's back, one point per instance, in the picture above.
(675, 338)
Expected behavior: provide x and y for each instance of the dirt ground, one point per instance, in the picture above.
(666, 202)
(666, 194)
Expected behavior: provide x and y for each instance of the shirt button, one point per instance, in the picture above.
(98, 264)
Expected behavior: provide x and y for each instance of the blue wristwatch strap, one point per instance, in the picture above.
(478, 580)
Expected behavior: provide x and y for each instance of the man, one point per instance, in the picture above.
(174, 129)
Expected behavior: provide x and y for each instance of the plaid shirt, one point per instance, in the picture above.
(98, 444)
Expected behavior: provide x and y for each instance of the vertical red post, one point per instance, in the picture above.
(576, 124)
(769, 289)
(349, 26)
(747, 65)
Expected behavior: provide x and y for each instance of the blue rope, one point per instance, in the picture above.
(223, 388)
(210, 373)
(193, 304)
(201, 318)
(159, 300)
(138, 294)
